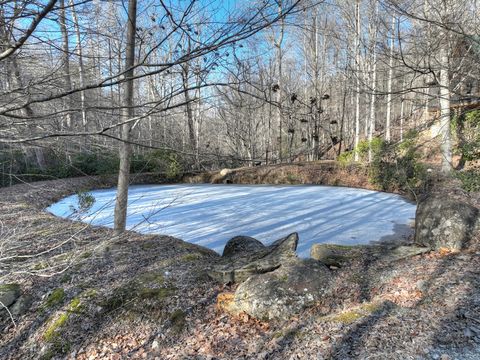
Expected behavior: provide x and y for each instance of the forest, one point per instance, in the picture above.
(168, 102)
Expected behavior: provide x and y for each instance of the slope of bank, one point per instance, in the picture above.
(86, 293)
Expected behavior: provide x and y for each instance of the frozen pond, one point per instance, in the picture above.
(209, 215)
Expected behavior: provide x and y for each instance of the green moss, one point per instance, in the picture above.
(86, 255)
(65, 278)
(119, 297)
(10, 287)
(55, 298)
(62, 257)
(370, 307)
(149, 278)
(341, 247)
(53, 329)
(292, 179)
(191, 257)
(90, 293)
(58, 347)
(278, 334)
(144, 286)
(58, 344)
(45, 232)
(75, 305)
(40, 265)
(160, 293)
(148, 245)
(348, 317)
(178, 320)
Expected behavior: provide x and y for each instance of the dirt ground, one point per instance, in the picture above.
(94, 295)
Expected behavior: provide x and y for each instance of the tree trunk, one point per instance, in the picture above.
(192, 134)
(81, 68)
(389, 84)
(127, 112)
(357, 68)
(371, 125)
(28, 112)
(279, 46)
(66, 60)
(446, 145)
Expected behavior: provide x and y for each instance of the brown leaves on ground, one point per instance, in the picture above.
(427, 306)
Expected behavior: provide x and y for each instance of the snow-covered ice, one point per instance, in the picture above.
(209, 215)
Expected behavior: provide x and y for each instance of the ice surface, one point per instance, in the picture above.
(209, 215)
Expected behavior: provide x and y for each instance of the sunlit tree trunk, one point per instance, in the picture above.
(357, 70)
(279, 55)
(127, 112)
(66, 60)
(390, 82)
(371, 125)
(446, 145)
(81, 68)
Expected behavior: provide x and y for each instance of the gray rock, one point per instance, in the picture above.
(279, 294)
(403, 252)
(342, 255)
(238, 268)
(22, 305)
(444, 223)
(242, 245)
(9, 293)
(333, 255)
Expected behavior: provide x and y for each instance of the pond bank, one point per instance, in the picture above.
(143, 295)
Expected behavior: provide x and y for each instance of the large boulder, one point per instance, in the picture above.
(279, 294)
(237, 266)
(445, 223)
(242, 245)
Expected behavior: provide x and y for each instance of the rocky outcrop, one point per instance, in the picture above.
(445, 223)
(279, 294)
(333, 255)
(242, 245)
(341, 255)
(404, 252)
(244, 258)
(274, 282)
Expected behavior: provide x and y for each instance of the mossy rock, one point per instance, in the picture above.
(9, 293)
(356, 313)
(54, 326)
(191, 257)
(334, 255)
(282, 293)
(86, 255)
(148, 286)
(41, 266)
(178, 320)
(58, 347)
(242, 264)
(55, 298)
(21, 305)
